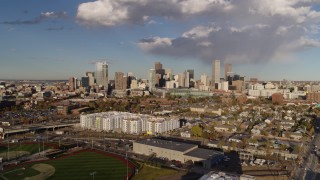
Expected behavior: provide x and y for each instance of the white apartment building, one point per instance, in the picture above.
(128, 122)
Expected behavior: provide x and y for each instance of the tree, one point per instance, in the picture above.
(311, 131)
(196, 131)
(264, 133)
(205, 135)
(233, 145)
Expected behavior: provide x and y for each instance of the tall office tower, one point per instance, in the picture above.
(102, 74)
(90, 75)
(204, 79)
(130, 78)
(215, 72)
(85, 82)
(191, 73)
(118, 80)
(227, 68)
(186, 79)
(191, 77)
(160, 73)
(158, 67)
(181, 79)
(72, 84)
(124, 82)
(152, 77)
(78, 84)
(168, 73)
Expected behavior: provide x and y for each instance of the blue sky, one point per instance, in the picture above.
(57, 39)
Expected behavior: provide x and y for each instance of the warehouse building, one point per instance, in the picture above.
(179, 151)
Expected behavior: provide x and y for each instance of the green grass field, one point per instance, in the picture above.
(32, 148)
(150, 173)
(79, 167)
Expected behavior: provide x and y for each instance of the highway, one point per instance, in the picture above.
(34, 127)
(309, 167)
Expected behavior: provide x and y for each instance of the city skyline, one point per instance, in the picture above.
(58, 40)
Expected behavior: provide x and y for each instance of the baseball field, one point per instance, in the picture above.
(82, 165)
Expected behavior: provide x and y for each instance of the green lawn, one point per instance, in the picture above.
(80, 166)
(32, 148)
(150, 173)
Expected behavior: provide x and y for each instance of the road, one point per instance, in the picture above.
(309, 168)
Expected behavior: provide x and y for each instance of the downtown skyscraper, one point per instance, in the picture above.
(227, 69)
(215, 72)
(151, 77)
(121, 81)
(102, 74)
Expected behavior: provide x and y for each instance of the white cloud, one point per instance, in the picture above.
(240, 30)
(102, 12)
(299, 10)
(200, 6)
(117, 12)
(251, 43)
(283, 29)
(54, 14)
(155, 42)
(200, 32)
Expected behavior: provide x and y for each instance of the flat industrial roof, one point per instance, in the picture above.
(204, 153)
(172, 145)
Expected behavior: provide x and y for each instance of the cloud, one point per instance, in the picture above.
(237, 31)
(245, 44)
(249, 31)
(42, 17)
(116, 12)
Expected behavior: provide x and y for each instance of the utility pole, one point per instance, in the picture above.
(39, 145)
(104, 140)
(8, 147)
(43, 145)
(92, 174)
(127, 165)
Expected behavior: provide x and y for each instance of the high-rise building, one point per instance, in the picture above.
(91, 78)
(72, 84)
(85, 82)
(124, 82)
(191, 77)
(186, 79)
(78, 83)
(130, 77)
(158, 67)
(118, 80)
(227, 68)
(134, 84)
(152, 77)
(160, 74)
(204, 79)
(215, 72)
(102, 74)
(225, 85)
(181, 79)
(191, 73)
(168, 73)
